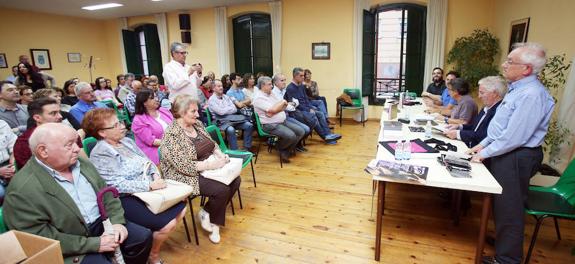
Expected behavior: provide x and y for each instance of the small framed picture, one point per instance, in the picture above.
(320, 51)
(3, 62)
(41, 58)
(519, 31)
(74, 57)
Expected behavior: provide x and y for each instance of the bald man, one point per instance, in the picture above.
(54, 196)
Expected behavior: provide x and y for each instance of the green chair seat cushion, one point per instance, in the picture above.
(541, 203)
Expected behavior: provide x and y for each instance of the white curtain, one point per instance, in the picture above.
(162, 25)
(276, 20)
(435, 42)
(358, 7)
(123, 25)
(565, 117)
(222, 40)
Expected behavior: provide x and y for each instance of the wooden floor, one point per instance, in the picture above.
(318, 209)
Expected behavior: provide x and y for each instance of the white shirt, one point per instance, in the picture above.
(178, 81)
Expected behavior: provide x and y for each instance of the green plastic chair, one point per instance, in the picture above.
(356, 98)
(122, 114)
(209, 116)
(267, 136)
(3, 227)
(246, 156)
(557, 201)
(88, 144)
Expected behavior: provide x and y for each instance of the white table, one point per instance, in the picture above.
(438, 176)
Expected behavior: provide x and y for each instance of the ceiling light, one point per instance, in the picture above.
(102, 6)
(156, 0)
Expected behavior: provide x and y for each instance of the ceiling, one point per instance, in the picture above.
(130, 8)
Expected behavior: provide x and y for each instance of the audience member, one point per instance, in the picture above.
(492, 89)
(235, 92)
(273, 118)
(103, 91)
(312, 92)
(513, 143)
(279, 91)
(466, 108)
(12, 77)
(308, 113)
(126, 88)
(11, 112)
(185, 149)
(225, 116)
(25, 95)
(206, 87)
(7, 140)
(70, 97)
(161, 88)
(130, 102)
(249, 83)
(121, 82)
(35, 80)
(26, 60)
(226, 82)
(67, 118)
(86, 102)
(180, 78)
(56, 189)
(150, 123)
(124, 166)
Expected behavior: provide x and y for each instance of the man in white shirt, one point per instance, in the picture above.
(180, 78)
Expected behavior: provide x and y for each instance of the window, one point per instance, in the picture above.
(143, 53)
(142, 49)
(253, 44)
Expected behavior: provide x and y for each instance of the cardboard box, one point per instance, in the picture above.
(24, 248)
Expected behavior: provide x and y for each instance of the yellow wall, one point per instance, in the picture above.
(59, 34)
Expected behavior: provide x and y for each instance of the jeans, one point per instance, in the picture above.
(312, 121)
(289, 133)
(247, 127)
(305, 128)
(320, 105)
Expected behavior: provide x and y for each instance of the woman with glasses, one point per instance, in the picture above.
(104, 92)
(150, 123)
(124, 166)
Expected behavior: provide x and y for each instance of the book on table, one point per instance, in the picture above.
(397, 170)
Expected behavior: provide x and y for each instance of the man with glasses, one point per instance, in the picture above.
(86, 101)
(513, 143)
(180, 77)
(13, 113)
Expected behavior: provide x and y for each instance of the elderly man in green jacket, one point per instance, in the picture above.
(54, 196)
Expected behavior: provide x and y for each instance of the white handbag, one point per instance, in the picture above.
(225, 174)
(163, 199)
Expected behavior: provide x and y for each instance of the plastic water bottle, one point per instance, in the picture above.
(407, 97)
(428, 129)
(398, 150)
(407, 150)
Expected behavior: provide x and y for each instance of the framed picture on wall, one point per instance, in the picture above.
(74, 57)
(3, 62)
(320, 51)
(519, 30)
(41, 58)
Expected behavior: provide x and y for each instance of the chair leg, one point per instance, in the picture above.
(281, 163)
(363, 116)
(340, 115)
(534, 238)
(203, 201)
(186, 228)
(193, 220)
(557, 228)
(253, 173)
(232, 205)
(240, 199)
(258, 150)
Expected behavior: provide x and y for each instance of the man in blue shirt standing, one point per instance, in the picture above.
(86, 102)
(513, 143)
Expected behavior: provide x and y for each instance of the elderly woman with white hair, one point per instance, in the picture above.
(492, 89)
(86, 101)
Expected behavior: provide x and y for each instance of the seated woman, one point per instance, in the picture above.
(104, 92)
(70, 98)
(149, 123)
(185, 149)
(312, 92)
(466, 108)
(122, 165)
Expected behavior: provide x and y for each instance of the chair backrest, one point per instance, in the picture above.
(89, 143)
(261, 131)
(120, 113)
(355, 95)
(3, 227)
(216, 135)
(566, 184)
(209, 116)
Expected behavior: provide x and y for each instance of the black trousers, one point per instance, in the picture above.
(218, 195)
(513, 171)
(135, 249)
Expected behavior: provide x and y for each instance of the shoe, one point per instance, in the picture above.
(300, 149)
(333, 142)
(331, 137)
(331, 127)
(330, 122)
(205, 220)
(215, 235)
(489, 260)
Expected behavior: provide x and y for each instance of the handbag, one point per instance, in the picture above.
(225, 174)
(163, 199)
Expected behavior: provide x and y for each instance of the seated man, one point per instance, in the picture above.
(225, 115)
(279, 90)
(273, 118)
(130, 102)
(54, 196)
(436, 87)
(126, 88)
(446, 103)
(11, 112)
(466, 108)
(308, 113)
(492, 89)
(236, 92)
(86, 101)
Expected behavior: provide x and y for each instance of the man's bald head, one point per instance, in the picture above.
(55, 145)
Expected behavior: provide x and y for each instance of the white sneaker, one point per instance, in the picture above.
(215, 235)
(205, 220)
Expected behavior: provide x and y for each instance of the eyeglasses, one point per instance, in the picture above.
(182, 52)
(116, 125)
(510, 62)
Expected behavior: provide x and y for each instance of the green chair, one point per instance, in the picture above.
(246, 156)
(88, 144)
(122, 113)
(3, 227)
(557, 201)
(272, 139)
(356, 98)
(209, 117)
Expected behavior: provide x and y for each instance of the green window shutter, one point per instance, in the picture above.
(415, 48)
(132, 51)
(368, 54)
(153, 51)
(253, 44)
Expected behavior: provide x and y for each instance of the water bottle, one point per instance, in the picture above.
(398, 150)
(428, 129)
(407, 97)
(407, 150)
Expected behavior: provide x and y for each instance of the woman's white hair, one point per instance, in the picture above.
(533, 54)
(494, 84)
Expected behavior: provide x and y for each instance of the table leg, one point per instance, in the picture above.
(379, 215)
(483, 227)
(456, 206)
